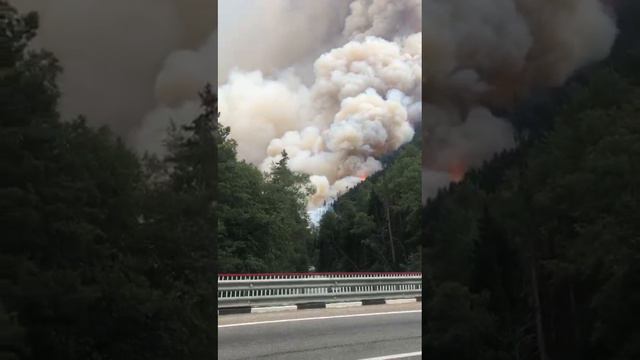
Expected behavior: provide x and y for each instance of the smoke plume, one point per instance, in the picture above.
(361, 100)
(486, 54)
(334, 83)
(366, 92)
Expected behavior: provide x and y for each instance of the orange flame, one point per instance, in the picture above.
(457, 171)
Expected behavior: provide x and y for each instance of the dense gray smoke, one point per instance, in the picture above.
(482, 54)
(113, 52)
(335, 83)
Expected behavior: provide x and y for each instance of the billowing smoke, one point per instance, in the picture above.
(486, 54)
(362, 101)
(334, 83)
(365, 96)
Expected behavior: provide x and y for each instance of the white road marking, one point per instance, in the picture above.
(320, 318)
(343, 305)
(258, 310)
(400, 301)
(395, 356)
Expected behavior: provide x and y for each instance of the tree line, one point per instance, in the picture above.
(376, 226)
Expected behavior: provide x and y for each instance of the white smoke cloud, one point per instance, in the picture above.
(270, 35)
(370, 63)
(362, 104)
(383, 18)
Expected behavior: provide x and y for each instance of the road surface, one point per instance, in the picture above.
(364, 332)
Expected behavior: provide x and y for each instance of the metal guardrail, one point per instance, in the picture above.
(294, 288)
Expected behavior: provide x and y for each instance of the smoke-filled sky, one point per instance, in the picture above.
(323, 85)
(334, 82)
(484, 54)
(129, 64)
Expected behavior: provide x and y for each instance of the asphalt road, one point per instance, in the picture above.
(365, 332)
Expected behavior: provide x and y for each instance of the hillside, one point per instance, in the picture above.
(535, 255)
(376, 225)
